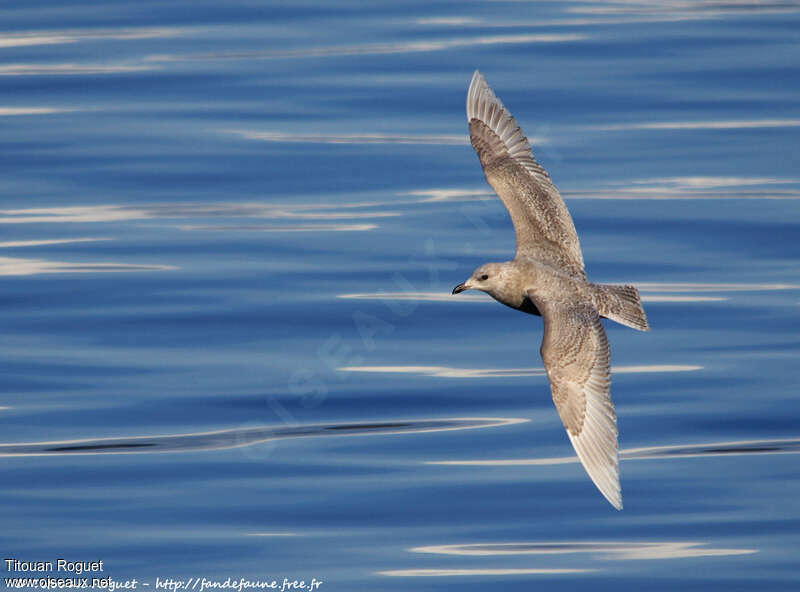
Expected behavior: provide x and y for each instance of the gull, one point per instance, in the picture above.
(547, 278)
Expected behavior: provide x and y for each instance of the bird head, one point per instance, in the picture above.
(484, 278)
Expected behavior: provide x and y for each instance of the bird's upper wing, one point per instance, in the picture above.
(541, 221)
(576, 358)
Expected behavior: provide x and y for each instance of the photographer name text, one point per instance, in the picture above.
(61, 565)
(62, 573)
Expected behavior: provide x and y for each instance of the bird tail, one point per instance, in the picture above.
(621, 304)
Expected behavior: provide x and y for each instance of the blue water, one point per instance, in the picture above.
(228, 235)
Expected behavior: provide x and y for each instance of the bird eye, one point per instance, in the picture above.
(484, 277)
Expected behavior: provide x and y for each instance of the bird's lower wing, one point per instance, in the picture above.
(576, 356)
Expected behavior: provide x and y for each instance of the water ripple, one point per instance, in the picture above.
(123, 213)
(700, 125)
(57, 37)
(480, 572)
(377, 48)
(291, 228)
(353, 138)
(18, 266)
(732, 448)
(14, 111)
(237, 438)
(608, 550)
(70, 69)
(46, 242)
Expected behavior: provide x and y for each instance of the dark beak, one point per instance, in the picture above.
(459, 288)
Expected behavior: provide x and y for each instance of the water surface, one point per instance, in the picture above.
(229, 225)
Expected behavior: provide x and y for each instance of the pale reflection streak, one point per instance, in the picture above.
(243, 437)
(379, 48)
(450, 372)
(598, 550)
(714, 449)
(118, 213)
(273, 534)
(294, 228)
(709, 287)
(660, 193)
(698, 125)
(697, 187)
(17, 111)
(435, 195)
(29, 38)
(16, 266)
(708, 182)
(293, 214)
(697, 9)
(479, 572)
(352, 138)
(321, 211)
(561, 22)
(606, 550)
(54, 241)
(705, 187)
(455, 21)
(98, 213)
(417, 296)
(69, 69)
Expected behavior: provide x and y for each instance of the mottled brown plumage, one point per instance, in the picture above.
(547, 278)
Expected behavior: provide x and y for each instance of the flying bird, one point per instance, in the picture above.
(547, 278)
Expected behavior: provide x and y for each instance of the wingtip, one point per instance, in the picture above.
(616, 502)
(477, 86)
(613, 496)
(603, 473)
(471, 92)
